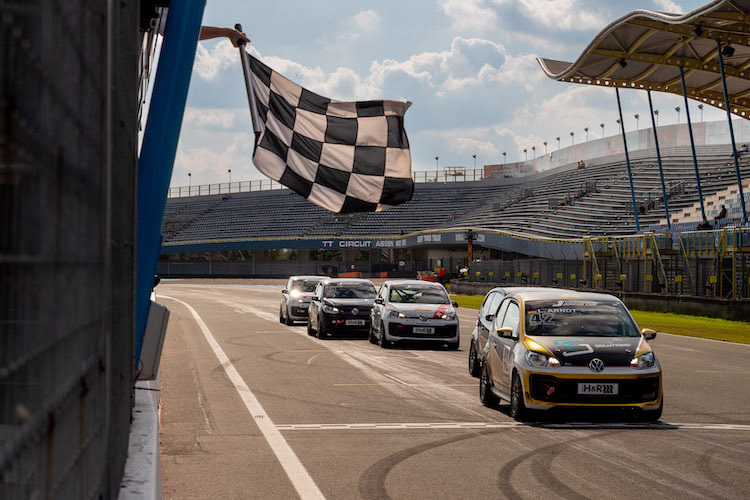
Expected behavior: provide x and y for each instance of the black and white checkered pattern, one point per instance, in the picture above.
(343, 156)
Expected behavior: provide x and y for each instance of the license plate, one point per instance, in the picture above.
(424, 329)
(598, 389)
(355, 322)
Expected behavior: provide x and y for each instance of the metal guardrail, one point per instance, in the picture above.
(449, 174)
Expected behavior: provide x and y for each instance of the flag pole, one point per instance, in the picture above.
(248, 83)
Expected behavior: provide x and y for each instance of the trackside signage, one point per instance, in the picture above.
(362, 243)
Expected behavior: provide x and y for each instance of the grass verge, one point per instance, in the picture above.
(679, 324)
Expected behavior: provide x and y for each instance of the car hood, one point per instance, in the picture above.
(349, 303)
(577, 351)
(418, 310)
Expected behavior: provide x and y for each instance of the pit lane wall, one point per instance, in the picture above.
(547, 248)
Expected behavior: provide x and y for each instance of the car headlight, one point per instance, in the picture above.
(643, 361)
(396, 314)
(539, 360)
(449, 316)
(330, 309)
(295, 294)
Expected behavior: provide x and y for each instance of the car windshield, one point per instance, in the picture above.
(412, 294)
(358, 291)
(579, 318)
(304, 285)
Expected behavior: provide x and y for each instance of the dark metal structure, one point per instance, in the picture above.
(69, 82)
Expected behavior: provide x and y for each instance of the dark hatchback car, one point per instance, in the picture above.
(341, 306)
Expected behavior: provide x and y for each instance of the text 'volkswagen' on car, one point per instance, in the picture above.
(341, 305)
(413, 310)
(295, 298)
(564, 348)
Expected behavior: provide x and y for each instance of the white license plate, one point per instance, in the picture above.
(424, 329)
(355, 322)
(598, 389)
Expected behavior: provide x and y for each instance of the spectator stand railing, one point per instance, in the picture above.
(448, 174)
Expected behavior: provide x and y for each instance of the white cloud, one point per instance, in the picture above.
(207, 118)
(469, 15)
(209, 63)
(364, 22)
(561, 14)
(209, 161)
(668, 6)
(469, 62)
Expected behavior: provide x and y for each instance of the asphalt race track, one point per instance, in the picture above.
(255, 409)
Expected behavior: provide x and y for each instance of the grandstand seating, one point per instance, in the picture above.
(564, 202)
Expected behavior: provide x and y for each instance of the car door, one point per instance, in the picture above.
(378, 310)
(505, 345)
(486, 315)
(315, 305)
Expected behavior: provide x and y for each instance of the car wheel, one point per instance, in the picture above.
(310, 330)
(282, 320)
(381, 340)
(321, 332)
(474, 366)
(486, 396)
(453, 346)
(652, 415)
(517, 407)
(371, 334)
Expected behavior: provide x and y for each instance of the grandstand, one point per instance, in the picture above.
(565, 202)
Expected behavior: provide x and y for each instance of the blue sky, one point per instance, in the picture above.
(468, 66)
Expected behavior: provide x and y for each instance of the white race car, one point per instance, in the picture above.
(295, 298)
(412, 310)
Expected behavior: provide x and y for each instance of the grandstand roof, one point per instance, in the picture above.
(645, 50)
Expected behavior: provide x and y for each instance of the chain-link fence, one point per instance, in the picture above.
(68, 107)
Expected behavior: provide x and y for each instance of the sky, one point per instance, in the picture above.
(468, 66)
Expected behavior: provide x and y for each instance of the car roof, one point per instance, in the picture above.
(303, 277)
(516, 289)
(345, 281)
(562, 294)
(412, 282)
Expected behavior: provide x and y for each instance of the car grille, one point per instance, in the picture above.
(637, 390)
(441, 332)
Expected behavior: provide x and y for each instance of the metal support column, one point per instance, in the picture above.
(658, 158)
(160, 144)
(627, 160)
(731, 130)
(692, 143)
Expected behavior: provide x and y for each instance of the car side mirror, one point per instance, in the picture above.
(454, 303)
(489, 317)
(380, 300)
(648, 333)
(505, 332)
(285, 291)
(315, 298)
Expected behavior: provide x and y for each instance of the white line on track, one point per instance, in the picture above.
(505, 425)
(298, 475)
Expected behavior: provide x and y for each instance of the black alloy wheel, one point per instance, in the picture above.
(381, 340)
(321, 331)
(486, 396)
(474, 366)
(371, 333)
(517, 407)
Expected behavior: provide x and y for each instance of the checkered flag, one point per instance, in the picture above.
(344, 156)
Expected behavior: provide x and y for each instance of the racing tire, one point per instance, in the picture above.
(486, 396)
(475, 368)
(310, 330)
(371, 335)
(381, 340)
(652, 415)
(282, 319)
(518, 409)
(321, 331)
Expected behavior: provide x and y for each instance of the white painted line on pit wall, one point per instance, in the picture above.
(298, 475)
